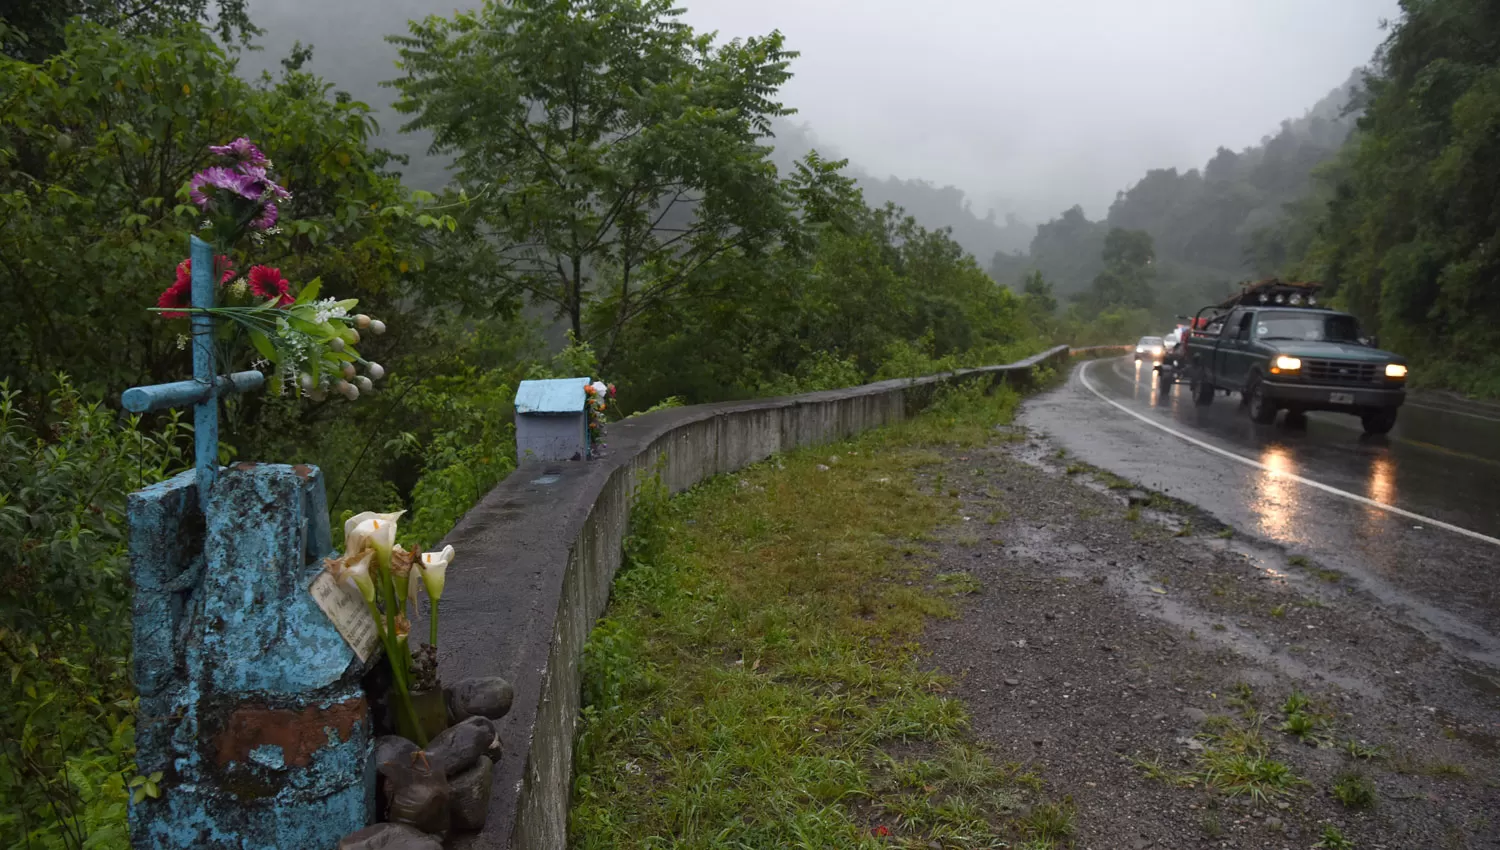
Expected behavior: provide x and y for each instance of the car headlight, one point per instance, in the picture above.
(1395, 370)
(1283, 363)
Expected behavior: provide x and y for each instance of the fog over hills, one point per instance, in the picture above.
(986, 117)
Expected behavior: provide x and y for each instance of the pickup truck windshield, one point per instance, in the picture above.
(1307, 327)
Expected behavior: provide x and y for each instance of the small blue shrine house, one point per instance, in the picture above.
(552, 420)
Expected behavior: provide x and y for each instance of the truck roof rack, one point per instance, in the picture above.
(1274, 291)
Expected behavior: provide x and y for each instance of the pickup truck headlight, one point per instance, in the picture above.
(1395, 370)
(1283, 363)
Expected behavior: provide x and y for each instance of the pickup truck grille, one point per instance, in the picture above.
(1341, 372)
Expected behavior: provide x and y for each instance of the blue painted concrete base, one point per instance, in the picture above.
(250, 703)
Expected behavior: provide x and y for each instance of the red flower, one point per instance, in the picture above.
(881, 830)
(268, 283)
(180, 293)
(611, 390)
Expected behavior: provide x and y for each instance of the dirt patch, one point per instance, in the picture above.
(1188, 687)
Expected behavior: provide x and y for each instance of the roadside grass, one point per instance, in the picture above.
(1235, 759)
(755, 682)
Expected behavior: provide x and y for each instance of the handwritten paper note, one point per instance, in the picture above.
(347, 610)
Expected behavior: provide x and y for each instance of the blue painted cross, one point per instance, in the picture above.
(204, 389)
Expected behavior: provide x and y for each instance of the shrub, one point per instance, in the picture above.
(66, 736)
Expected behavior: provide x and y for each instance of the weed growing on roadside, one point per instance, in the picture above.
(1243, 699)
(1354, 790)
(1362, 750)
(1414, 766)
(1133, 514)
(1299, 561)
(1211, 826)
(1049, 821)
(1333, 839)
(1225, 534)
(959, 584)
(1279, 611)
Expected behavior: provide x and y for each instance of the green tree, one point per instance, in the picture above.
(610, 153)
(36, 29)
(1128, 257)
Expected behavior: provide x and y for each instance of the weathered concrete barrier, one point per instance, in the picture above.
(540, 552)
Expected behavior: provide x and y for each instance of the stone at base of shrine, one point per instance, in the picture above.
(389, 836)
(469, 796)
(458, 747)
(250, 700)
(481, 696)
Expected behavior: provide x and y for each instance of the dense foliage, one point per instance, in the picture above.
(1404, 226)
(67, 727)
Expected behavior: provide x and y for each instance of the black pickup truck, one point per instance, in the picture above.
(1275, 346)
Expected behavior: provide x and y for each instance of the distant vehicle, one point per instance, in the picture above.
(1149, 348)
(1275, 346)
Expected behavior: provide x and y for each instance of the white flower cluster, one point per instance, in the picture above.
(327, 309)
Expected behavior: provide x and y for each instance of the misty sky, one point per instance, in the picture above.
(1028, 105)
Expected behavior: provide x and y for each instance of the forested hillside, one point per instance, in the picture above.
(1205, 226)
(1403, 224)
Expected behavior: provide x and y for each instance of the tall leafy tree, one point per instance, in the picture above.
(35, 29)
(609, 153)
(1129, 258)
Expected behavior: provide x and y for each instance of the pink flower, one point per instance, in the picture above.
(241, 150)
(261, 183)
(217, 178)
(267, 218)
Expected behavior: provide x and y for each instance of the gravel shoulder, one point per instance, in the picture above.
(1138, 654)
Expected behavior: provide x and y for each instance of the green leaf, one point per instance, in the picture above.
(309, 291)
(264, 346)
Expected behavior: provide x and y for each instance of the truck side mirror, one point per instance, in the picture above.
(1369, 341)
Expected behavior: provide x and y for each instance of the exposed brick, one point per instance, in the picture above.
(299, 734)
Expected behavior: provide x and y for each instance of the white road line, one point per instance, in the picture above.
(1083, 375)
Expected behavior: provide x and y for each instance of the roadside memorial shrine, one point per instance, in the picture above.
(267, 665)
(561, 419)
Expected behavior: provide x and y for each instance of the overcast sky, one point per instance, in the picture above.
(1030, 104)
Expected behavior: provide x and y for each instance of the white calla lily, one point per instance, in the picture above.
(357, 572)
(370, 529)
(435, 571)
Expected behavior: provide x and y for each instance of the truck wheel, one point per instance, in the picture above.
(1379, 421)
(1203, 391)
(1164, 382)
(1262, 410)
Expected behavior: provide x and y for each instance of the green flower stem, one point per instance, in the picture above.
(432, 626)
(400, 661)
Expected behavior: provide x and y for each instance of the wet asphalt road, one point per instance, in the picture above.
(1442, 462)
